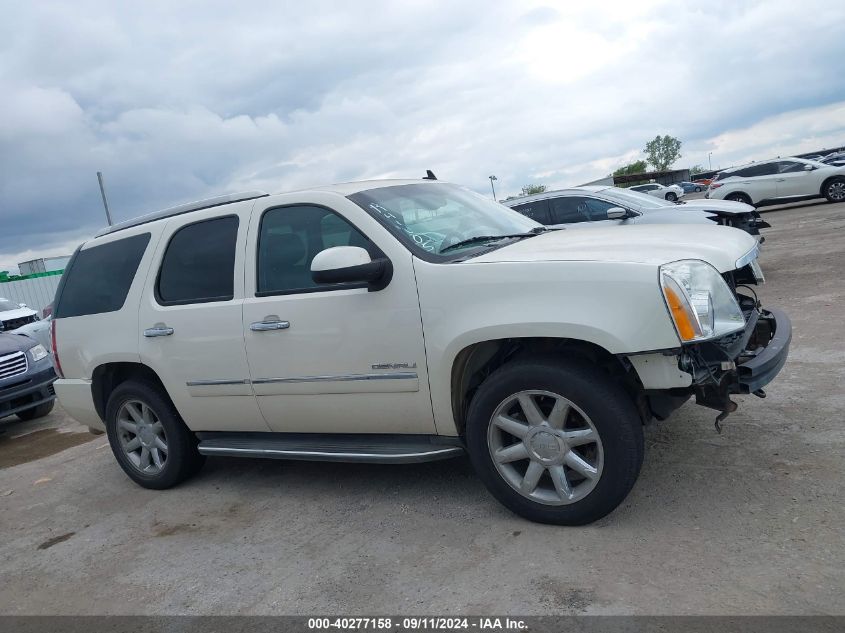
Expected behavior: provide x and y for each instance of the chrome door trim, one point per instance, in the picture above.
(209, 383)
(400, 375)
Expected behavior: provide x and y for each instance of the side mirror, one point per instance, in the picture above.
(349, 264)
(808, 167)
(617, 213)
(21, 305)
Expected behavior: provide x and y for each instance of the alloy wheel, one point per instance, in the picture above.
(836, 190)
(141, 436)
(545, 447)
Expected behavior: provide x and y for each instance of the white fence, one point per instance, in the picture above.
(36, 292)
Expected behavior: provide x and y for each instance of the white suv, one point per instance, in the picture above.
(405, 321)
(779, 181)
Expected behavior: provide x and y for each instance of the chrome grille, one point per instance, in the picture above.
(13, 364)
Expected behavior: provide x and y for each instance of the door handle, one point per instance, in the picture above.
(264, 326)
(158, 330)
(780, 180)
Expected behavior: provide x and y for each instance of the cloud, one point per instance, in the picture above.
(179, 101)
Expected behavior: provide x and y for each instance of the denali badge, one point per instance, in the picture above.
(394, 366)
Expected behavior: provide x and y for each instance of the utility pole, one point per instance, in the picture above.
(492, 178)
(709, 161)
(103, 193)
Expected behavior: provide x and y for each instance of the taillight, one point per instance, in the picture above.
(715, 185)
(56, 362)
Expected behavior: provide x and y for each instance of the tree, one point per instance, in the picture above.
(696, 169)
(637, 167)
(530, 190)
(662, 151)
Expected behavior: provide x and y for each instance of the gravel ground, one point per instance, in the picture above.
(747, 522)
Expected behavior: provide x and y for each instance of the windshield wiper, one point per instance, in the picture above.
(489, 238)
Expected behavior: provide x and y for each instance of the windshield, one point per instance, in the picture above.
(431, 218)
(635, 198)
(6, 305)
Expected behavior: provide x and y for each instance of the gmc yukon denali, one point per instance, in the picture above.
(407, 321)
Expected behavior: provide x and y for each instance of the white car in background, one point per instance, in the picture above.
(670, 193)
(37, 330)
(779, 181)
(595, 206)
(14, 315)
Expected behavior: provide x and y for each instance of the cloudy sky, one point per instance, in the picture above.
(176, 101)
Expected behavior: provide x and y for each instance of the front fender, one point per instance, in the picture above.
(615, 305)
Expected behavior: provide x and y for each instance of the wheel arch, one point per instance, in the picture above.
(827, 181)
(475, 362)
(747, 197)
(106, 377)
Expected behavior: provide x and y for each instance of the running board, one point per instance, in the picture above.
(372, 448)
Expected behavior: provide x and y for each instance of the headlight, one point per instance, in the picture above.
(37, 353)
(700, 302)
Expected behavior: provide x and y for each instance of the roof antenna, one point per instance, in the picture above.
(429, 175)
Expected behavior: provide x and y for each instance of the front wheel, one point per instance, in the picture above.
(671, 197)
(555, 441)
(148, 438)
(834, 190)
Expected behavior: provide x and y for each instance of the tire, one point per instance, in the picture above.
(834, 190)
(738, 197)
(38, 411)
(141, 405)
(598, 406)
(671, 197)
(697, 189)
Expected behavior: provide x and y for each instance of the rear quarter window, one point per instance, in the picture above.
(98, 278)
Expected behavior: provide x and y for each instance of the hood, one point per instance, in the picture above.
(11, 315)
(657, 244)
(14, 343)
(722, 207)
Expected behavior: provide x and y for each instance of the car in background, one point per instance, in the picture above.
(14, 315)
(691, 187)
(670, 193)
(779, 181)
(836, 159)
(703, 181)
(37, 330)
(26, 378)
(603, 206)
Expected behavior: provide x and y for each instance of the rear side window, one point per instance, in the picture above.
(199, 263)
(97, 279)
(537, 211)
(569, 210)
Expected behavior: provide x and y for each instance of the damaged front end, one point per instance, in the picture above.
(730, 343)
(739, 363)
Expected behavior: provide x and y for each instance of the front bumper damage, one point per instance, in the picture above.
(741, 363)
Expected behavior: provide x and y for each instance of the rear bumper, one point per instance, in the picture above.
(34, 388)
(77, 400)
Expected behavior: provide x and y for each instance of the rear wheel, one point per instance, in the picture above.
(555, 441)
(148, 438)
(671, 196)
(38, 411)
(738, 197)
(697, 189)
(834, 190)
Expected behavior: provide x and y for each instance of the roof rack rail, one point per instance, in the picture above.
(184, 208)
